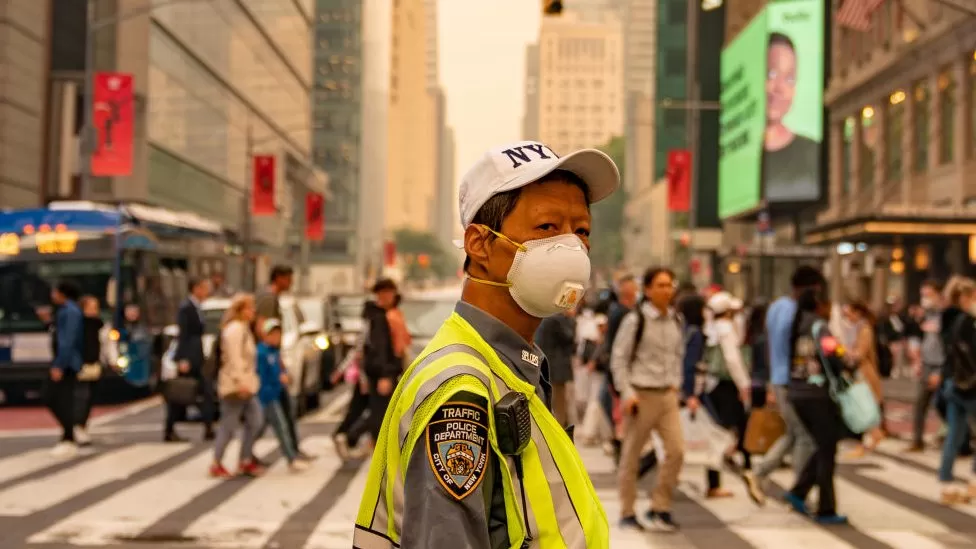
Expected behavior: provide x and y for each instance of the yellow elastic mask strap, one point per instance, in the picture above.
(503, 237)
(505, 284)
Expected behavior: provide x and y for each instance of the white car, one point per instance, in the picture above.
(300, 347)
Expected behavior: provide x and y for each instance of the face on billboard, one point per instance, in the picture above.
(774, 157)
(780, 80)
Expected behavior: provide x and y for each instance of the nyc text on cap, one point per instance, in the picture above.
(514, 166)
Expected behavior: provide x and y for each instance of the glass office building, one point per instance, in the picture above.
(337, 112)
(217, 71)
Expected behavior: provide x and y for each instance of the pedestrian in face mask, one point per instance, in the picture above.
(478, 396)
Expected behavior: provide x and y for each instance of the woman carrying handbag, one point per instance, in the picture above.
(821, 396)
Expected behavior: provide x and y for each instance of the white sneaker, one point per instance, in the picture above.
(298, 466)
(81, 436)
(64, 449)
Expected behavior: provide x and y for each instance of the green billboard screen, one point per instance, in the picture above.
(772, 109)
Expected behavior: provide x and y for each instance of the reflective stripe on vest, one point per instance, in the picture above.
(563, 508)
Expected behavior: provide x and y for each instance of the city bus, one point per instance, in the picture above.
(136, 259)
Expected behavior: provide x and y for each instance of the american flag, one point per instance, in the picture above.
(856, 14)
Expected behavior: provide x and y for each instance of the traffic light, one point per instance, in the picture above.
(552, 7)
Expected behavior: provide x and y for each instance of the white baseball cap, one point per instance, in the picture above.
(724, 301)
(513, 166)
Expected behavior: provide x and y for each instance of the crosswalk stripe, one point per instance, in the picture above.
(20, 465)
(902, 539)
(928, 460)
(129, 512)
(249, 518)
(874, 511)
(332, 411)
(34, 495)
(780, 537)
(910, 481)
(334, 530)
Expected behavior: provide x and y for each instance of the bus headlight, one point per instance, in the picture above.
(122, 363)
(322, 342)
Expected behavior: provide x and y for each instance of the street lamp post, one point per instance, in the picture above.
(89, 139)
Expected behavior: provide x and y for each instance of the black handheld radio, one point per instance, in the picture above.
(513, 428)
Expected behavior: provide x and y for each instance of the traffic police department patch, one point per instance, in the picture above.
(457, 447)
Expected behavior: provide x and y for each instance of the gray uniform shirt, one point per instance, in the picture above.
(657, 364)
(448, 515)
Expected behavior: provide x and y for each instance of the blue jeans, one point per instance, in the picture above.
(958, 411)
(276, 418)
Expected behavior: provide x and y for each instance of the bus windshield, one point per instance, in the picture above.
(25, 286)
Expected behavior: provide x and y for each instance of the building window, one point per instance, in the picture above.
(869, 154)
(675, 62)
(947, 111)
(894, 129)
(677, 13)
(920, 135)
(847, 157)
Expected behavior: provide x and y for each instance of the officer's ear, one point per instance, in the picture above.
(476, 245)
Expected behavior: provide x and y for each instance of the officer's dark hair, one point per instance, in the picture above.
(194, 283)
(68, 289)
(279, 271)
(494, 212)
(806, 276)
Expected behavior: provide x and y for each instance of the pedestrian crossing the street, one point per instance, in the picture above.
(144, 493)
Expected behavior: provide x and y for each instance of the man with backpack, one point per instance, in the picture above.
(646, 361)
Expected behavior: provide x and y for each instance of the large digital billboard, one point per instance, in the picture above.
(772, 110)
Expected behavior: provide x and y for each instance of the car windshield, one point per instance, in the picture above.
(424, 317)
(25, 286)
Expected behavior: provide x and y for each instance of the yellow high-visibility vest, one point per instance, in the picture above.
(458, 359)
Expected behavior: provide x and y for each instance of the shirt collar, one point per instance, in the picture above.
(654, 313)
(193, 299)
(524, 358)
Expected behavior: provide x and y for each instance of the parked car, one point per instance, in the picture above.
(300, 354)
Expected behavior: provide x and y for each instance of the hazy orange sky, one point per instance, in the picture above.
(482, 68)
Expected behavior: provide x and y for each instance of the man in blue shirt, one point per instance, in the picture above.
(779, 322)
(69, 332)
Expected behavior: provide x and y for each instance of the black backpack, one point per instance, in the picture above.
(963, 357)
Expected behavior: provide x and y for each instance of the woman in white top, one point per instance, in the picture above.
(237, 386)
(728, 392)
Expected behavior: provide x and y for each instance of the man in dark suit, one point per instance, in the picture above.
(190, 358)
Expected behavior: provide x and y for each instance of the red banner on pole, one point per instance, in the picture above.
(112, 117)
(679, 180)
(389, 253)
(314, 216)
(263, 192)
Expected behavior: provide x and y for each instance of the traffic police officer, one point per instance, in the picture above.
(470, 455)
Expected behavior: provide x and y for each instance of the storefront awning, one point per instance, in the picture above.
(889, 224)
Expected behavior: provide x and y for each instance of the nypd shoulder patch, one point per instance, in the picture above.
(458, 448)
